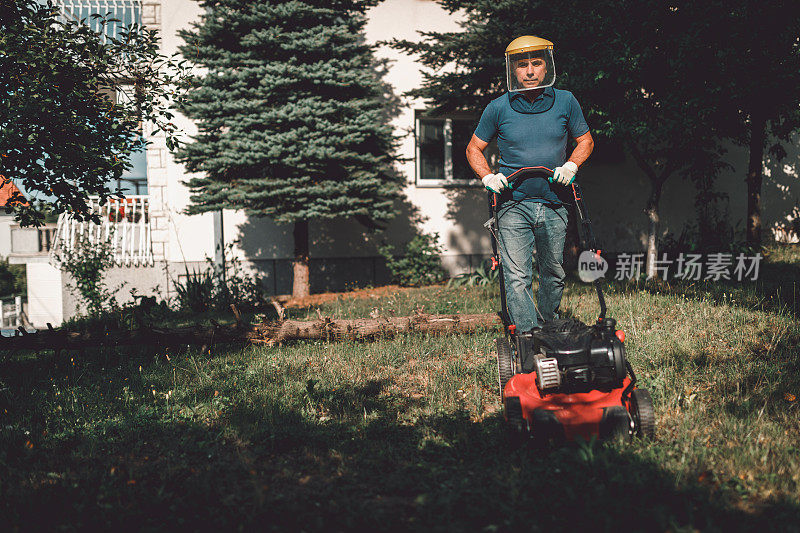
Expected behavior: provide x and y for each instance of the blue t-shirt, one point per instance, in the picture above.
(531, 134)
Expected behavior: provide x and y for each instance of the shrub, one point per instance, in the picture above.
(87, 263)
(696, 239)
(419, 264)
(236, 287)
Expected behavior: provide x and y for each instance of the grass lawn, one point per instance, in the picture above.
(407, 434)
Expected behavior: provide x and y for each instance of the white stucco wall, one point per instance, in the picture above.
(456, 215)
(616, 197)
(6, 221)
(191, 238)
(45, 290)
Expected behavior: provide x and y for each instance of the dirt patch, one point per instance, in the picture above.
(318, 299)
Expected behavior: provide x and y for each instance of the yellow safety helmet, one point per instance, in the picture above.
(529, 63)
(528, 43)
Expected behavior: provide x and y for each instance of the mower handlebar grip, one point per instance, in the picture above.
(527, 172)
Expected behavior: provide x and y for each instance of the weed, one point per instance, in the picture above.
(215, 288)
(485, 275)
(196, 292)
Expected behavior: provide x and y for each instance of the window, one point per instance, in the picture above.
(440, 146)
(134, 180)
(126, 11)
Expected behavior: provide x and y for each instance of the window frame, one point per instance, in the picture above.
(136, 182)
(447, 180)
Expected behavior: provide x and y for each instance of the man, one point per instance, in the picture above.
(532, 123)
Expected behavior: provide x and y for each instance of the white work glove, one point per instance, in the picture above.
(494, 182)
(565, 174)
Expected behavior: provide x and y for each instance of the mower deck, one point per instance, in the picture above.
(565, 416)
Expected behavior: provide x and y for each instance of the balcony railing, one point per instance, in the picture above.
(124, 225)
(127, 12)
(32, 241)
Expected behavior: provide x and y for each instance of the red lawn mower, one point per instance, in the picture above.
(567, 379)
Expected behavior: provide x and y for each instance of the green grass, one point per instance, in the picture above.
(407, 434)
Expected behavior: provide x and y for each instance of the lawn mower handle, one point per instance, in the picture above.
(587, 240)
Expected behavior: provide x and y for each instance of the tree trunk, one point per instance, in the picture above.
(651, 208)
(755, 167)
(301, 285)
(652, 228)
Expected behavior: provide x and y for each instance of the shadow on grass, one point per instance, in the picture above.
(274, 466)
(746, 383)
(767, 381)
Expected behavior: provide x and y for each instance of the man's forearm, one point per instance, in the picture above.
(478, 162)
(582, 152)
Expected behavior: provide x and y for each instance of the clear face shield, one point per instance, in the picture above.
(530, 70)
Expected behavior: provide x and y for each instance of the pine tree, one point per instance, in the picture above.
(291, 115)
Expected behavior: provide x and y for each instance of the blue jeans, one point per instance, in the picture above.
(523, 226)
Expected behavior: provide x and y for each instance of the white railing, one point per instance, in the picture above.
(124, 225)
(126, 11)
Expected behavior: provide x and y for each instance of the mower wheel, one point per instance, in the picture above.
(516, 423)
(644, 420)
(505, 362)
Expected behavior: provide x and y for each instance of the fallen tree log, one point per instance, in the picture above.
(264, 333)
(370, 328)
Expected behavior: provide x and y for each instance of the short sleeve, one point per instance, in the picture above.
(487, 126)
(576, 124)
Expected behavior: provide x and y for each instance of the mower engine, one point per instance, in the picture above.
(569, 356)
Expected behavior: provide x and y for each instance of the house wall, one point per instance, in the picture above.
(157, 280)
(45, 295)
(6, 221)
